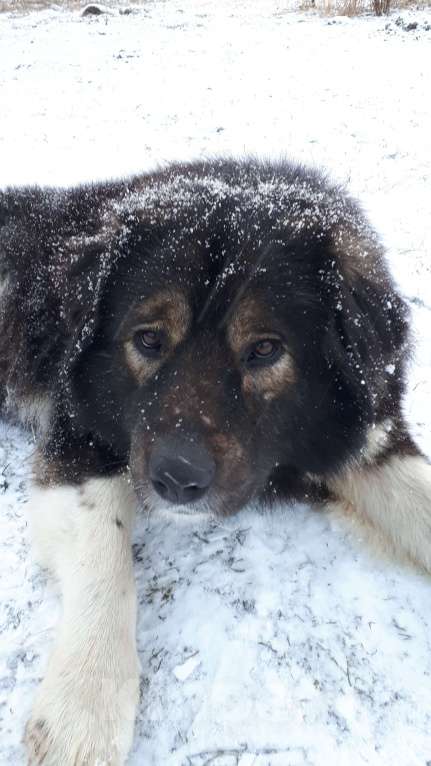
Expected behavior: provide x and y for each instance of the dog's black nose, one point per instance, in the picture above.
(181, 471)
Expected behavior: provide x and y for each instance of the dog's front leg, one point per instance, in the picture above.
(392, 495)
(85, 707)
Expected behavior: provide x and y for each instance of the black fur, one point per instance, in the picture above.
(77, 260)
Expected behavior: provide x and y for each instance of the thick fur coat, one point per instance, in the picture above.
(192, 338)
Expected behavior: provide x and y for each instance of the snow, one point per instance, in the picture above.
(275, 640)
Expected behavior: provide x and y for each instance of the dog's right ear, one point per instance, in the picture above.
(7, 204)
(57, 249)
(80, 304)
(3, 209)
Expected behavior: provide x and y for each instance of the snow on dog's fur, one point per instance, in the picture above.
(197, 337)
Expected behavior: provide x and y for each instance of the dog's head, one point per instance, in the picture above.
(238, 338)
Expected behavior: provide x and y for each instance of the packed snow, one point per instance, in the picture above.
(267, 640)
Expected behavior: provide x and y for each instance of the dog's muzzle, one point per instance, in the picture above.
(181, 471)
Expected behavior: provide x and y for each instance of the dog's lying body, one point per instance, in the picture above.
(205, 334)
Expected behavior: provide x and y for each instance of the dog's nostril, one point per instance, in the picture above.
(181, 471)
(161, 488)
(192, 492)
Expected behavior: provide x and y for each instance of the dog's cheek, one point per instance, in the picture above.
(102, 400)
(140, 448)
(238, 474)
(230, 456)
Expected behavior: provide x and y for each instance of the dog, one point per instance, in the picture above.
(190, 339)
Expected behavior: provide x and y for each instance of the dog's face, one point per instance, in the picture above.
(227, 354)
(210, 376)
(194, 369)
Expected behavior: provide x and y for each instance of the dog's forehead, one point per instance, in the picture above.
(214, 243)
(200, 289)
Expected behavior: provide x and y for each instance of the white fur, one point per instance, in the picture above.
(377, 439)
(4, 286)
(85, 707)
(33, 412)
(395, 497)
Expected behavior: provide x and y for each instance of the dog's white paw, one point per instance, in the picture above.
(79, 722)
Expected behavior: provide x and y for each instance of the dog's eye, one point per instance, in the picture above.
(148, 342)
(265, 351)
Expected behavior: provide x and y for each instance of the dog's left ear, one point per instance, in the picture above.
(368, 327)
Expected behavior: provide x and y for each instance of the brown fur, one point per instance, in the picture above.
(168, 311)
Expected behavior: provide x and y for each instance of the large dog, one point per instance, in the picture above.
(191, 338)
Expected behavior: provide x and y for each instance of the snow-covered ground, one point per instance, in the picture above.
(265, 641)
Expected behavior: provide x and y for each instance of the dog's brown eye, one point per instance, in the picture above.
(265, 351)
(148, 342)
(264, 348)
